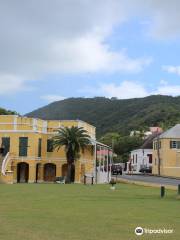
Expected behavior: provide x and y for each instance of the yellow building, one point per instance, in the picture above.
(27, 154)
(166, 153)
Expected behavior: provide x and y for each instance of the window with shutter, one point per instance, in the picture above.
(23, 145)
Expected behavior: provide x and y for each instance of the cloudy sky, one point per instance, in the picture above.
(55, 49)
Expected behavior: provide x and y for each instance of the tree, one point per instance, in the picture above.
(74, 140)
(122, 145)
(125, 145)
(110, 138)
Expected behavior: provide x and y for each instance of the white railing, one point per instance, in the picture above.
(5, 163)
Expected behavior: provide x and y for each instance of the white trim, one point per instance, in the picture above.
(45, 125)
(27, 131)
(170, 167)
(26, 158)
(15, 123)
(20, 131)
(34, 124)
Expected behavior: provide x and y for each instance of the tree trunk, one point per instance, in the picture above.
(70, 173)
(69, 170)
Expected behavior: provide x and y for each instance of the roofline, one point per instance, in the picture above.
(63, 120)
(102, 144)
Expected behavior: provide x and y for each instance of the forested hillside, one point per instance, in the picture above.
(114, 115)
(6, 112)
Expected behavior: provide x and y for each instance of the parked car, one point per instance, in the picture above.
(116, 169)
(145, 170)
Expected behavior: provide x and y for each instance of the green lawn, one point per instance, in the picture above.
(70, 212)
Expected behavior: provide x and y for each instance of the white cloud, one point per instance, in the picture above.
(132, 89)
(52, 97)
(165, 18)
(125, 90)
(173, 90)
(10, 84)
(163, 82)
(43, 37)
(172, 69)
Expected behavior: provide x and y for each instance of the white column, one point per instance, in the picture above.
(95, 171)
(45, 126)
(15, 122)
(34, 125)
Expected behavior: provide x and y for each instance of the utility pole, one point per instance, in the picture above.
(158, 155)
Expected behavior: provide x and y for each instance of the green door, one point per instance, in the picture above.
(23, 145)
(5, 145)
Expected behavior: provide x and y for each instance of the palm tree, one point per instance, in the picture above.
(74, 140)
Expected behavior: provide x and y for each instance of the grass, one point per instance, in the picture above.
(76, 212)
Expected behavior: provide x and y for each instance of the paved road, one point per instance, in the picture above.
(151, 179)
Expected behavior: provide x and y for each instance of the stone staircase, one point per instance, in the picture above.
(6, 176)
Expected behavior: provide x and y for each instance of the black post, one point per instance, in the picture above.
(84, 179)
(92, 180)
(178, 189)
(162, 191)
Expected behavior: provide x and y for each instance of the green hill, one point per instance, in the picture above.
(7, 112)
(114, 115)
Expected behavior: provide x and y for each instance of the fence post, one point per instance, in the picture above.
(92, 180)
(84, 179)
(178, 189)
(162, 191)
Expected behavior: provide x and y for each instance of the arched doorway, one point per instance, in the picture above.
(22, 172)
(49, 172)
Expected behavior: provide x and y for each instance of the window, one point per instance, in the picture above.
(39, 147)
(178, 144)
(49, 145)
(150, 157)
(157, 145)
(175, 144)
(5, 145)
(23, 145)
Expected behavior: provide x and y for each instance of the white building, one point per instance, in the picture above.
(141, 158)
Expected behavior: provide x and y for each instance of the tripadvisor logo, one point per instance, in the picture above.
(139, 231)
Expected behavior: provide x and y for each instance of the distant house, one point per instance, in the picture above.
(141, 159)
(155, 129)
(166, 153)
(135, 133)
(146, 134)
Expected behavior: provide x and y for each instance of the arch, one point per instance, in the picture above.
(22, 172)
(49, 172)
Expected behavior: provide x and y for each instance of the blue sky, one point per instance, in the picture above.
(51, 50)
